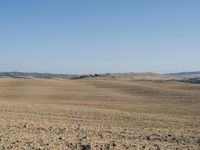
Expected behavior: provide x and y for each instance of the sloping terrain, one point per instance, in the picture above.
(98, 113)
(194, 74)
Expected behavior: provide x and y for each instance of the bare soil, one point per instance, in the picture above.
(99, 113)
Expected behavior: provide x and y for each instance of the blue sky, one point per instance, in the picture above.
(88, 36)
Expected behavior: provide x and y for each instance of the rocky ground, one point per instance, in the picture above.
(32, 126)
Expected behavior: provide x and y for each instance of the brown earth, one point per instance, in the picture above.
(99, 113)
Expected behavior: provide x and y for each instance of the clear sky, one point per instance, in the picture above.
(88, 36)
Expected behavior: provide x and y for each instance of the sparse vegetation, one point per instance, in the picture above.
(192, 80)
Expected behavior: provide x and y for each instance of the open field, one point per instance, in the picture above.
(99, 113)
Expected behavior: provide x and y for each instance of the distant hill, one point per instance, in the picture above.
(124, 76)
(195, 74)
(143, 76)
(49, 75)
(38, 75)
